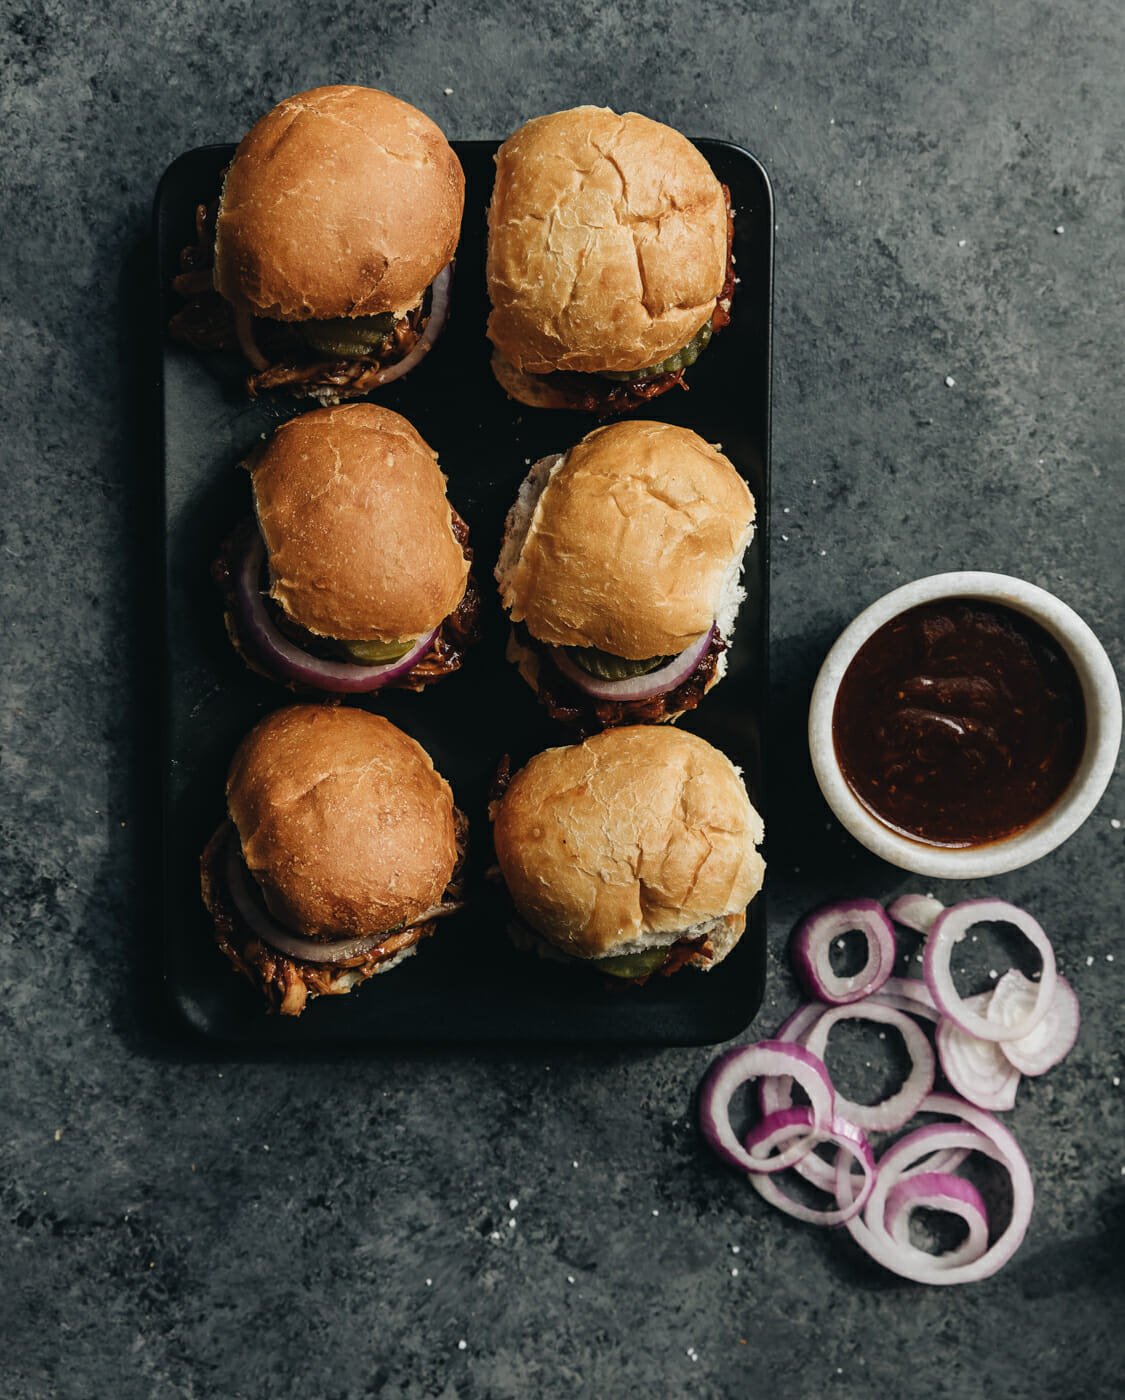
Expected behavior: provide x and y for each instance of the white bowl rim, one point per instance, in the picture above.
(1101, 695)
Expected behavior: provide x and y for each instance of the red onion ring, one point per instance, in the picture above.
(657, 682)
(284, 658)
(914, 990)
(733, 1069)
(942, 1191)
(812, 941)
(993, 1140)
(435, 323)
(915, 911)
(439, 313)
(775, 1091)
(244, 329)
(978, 1069)
(952, 925)
(895, 1112)
(1052, 1039)
(779, 1128)
(264, 926)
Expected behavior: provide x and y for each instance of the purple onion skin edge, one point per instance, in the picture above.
(882, 948)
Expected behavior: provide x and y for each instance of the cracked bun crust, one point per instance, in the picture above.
(607, 243)
(633, 545)
(351, 504)
(343, 820)
(627, 840)
(341, 201)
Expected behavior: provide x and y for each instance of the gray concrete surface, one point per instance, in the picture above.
(948, 360)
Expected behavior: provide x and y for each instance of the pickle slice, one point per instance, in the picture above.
(377, 653)
(680, 360)
(349, 337)
(633, 964)
(608, 667)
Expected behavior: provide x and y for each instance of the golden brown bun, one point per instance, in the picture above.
(535, 390)
(607, 242)
(352, 507)
(343, 820)
(633, 545)
(628, 839)
(342, 201)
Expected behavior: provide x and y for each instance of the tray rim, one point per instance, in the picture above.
(187, 1023)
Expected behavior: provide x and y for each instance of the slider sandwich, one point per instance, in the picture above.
(353, 573)
(327, 258)
(620, 570)
(609, 260)
(633, 853)
(341, 851)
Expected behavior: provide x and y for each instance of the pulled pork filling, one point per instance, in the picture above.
(619, 392)
(288, 983)
(455, 634)
(327, 359)
(568, 702)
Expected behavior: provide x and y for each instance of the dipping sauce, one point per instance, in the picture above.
(959, 722)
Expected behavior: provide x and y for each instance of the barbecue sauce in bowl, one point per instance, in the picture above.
(959, 722)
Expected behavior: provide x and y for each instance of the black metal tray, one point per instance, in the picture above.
(466, 983)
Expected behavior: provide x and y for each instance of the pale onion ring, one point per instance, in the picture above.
(915, 911)
(952, 925)
(978, 1069)
(870, 1232)
(788, 1123)
(894, 1112)
(1052, 1039)
(733, 1069)
(941, 1191)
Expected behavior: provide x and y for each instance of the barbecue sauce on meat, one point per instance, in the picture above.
(959, 722)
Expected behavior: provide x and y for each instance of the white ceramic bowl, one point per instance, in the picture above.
(1103, 730)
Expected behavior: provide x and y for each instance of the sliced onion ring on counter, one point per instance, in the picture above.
(439, 314)
(911, 989)
(915, 911)
(952, 925)
(779, 1128)
(776, 1091)
(993, 1140)
(940, 1191)
(284, 658)
(978, 1069)
(657, 682)
(811, 948)
(894, 1112)
(745, 1062)
(1052, 1039)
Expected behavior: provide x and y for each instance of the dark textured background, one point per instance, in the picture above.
(949, 204)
